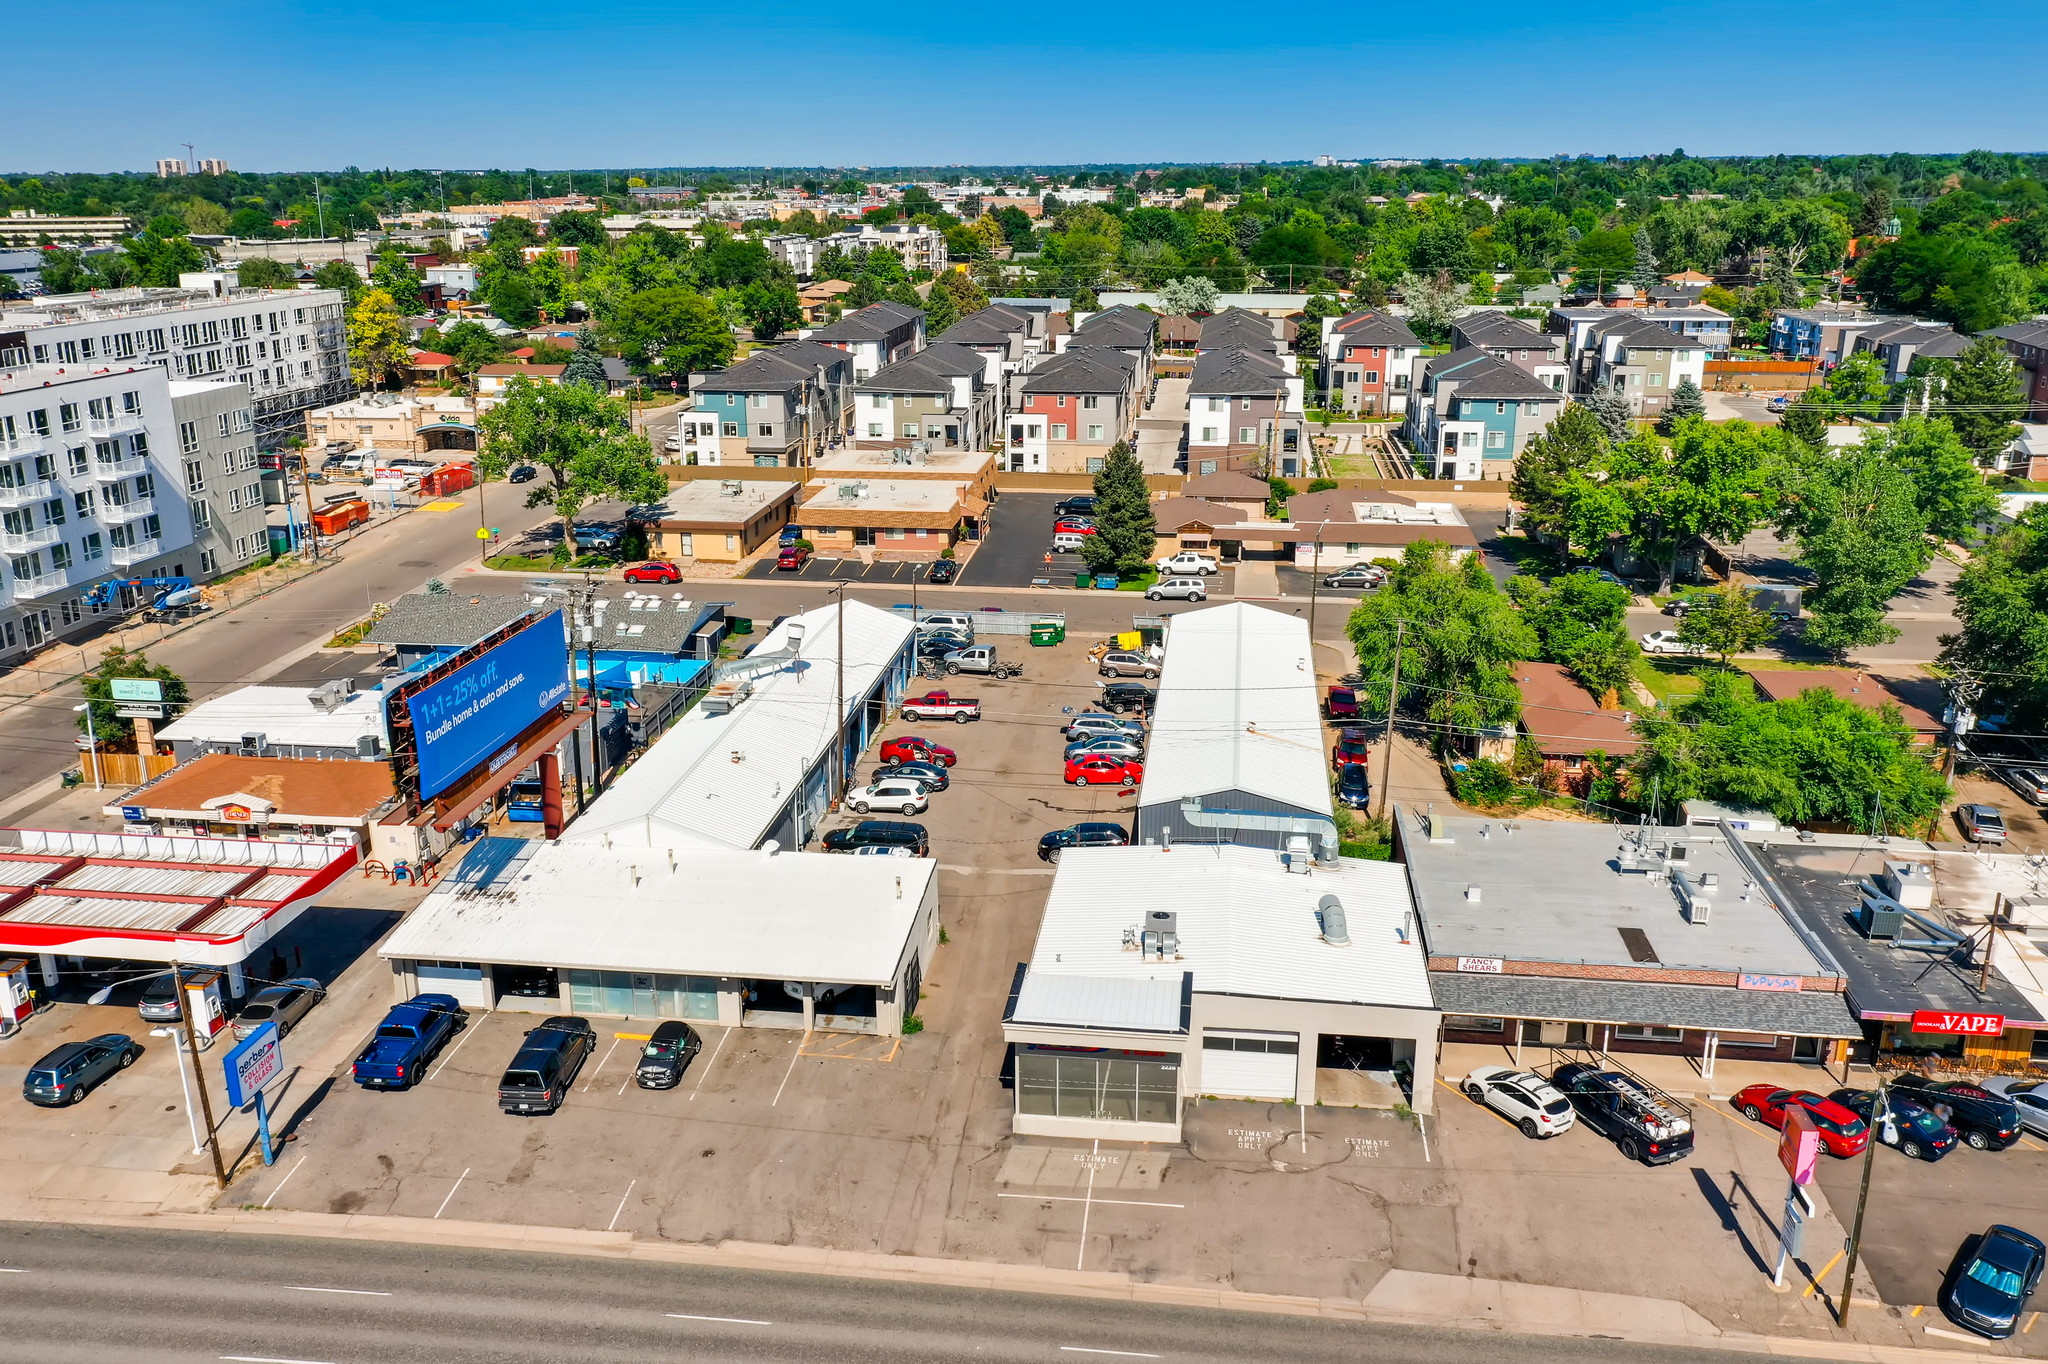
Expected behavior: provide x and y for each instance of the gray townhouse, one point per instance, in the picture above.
(946, 394)
(1245, 415)
(876, 336)
(1472, 415)
(1133, 331)
(1517, 343)
(779, 406)
(1642, 359)
(1897, 344)
(1237, 329)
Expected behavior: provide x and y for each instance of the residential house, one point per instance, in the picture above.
(1245, 412)
(1238, 329)
(893, 518)
(1340, 527)
(778, 406)
(1473, 415)
(1133, 331)
(2027, 343)
(1818, 333)
(876, 336)
(1367, 359)
(1011, 335)
(1642, 359)
(1897, 344)
(1073, 407)
(719, 521)
(947, 395)
(492, 381)
(1566, 724)
(818, 298)
(1516, 342)
(1919, 700)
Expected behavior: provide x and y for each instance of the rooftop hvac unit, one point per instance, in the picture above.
(731, 487)
(1910, 883)
(1880, 917)
(1696, 893)
(368, 746)
(252, 745)
(1161, 937)
(1298, 856)
(1336, 932)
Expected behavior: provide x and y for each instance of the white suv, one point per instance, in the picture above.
(1187, 589)
(894, 793)
(1527, 1100)
(1187, 561)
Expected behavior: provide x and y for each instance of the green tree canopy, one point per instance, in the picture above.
(2002, 601)
(671, 331)
(585, 366)
(1581, 623)
(1727, 622)
(1948, 486)
(342, 275)
(1125, 528)
(1984, 398)
(582, 439)
(1459, 638)
(98, 686)
(1857, 518)
(261, 272)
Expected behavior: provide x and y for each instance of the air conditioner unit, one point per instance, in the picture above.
(252, 745)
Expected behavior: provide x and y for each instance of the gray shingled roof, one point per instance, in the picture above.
(1795, 1013)
(781, 370)
(1443, 366)
(1375, 329)
(446, 620)
(1234, 327)
(931, 370)
(1090, 369)
(1120, 327)
(1238, 372)
(867, 324)
(1498, 329)
(1499, 379)
(990, 326)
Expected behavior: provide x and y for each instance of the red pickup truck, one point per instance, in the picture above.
(939, 705)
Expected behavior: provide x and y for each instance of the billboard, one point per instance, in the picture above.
(469, 715)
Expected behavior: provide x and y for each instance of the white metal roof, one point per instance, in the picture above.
(282, 715)
(1237, 711)
(105, 912)
(1121, 1003)
(1247, 926)
(132, 880)
(774, 916)
(718, 781)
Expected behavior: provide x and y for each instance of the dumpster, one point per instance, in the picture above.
(1106, 581)
(1084, 579)
(740, 625)
(337, 517)
(1047, 632)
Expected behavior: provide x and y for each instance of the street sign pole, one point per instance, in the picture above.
(263, 1130)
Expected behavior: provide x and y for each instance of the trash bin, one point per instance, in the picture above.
(1106, 581)
(1047, 632)
(739, 625)
(1083, 579)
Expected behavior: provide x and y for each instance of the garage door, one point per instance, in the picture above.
(464, 980)
(1249, 1065)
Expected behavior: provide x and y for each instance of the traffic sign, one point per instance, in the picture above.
(482, 534)
(137, 689)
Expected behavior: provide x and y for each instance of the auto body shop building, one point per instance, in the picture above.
(1170, 973)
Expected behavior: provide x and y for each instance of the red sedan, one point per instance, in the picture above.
(911, 748)
(1352, 746)
(1073, 524)
(1842, 1133)
(653, 571)
(793, 556)
(1097, 769)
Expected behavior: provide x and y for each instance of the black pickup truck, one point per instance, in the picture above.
(1643, 1122)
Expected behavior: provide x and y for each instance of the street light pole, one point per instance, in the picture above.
(839, 689)
(94, 739)
(1393, 700)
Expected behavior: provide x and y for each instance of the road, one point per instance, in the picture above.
(234, 648)
(101, 1294)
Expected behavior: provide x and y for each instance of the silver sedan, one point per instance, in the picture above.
(284, 1004)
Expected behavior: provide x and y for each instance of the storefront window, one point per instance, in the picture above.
(1106, 1086)
(642, 995)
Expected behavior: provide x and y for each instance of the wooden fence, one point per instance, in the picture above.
(124, 769)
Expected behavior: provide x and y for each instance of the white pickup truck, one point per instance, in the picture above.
(1187, 561)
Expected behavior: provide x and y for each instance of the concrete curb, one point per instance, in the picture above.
(1536, 1314)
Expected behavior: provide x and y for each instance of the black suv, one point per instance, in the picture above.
(539, 1077)
(880, 833)
(666, 1055)
(943, 570)
(1074, 506)
(1081, 836)
(1126, 696)
(1989, 1122)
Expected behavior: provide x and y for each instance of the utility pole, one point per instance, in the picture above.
(220, 1173)
(306, 482)
(1879, 1112)
(1315, 580)
(319, 208)
(839, 704)
(1393, 700)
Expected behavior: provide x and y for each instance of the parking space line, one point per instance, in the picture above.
(1070, 1198)
(282, 1182)
(351, 1292)
(622, 1206)
(795, 1056)
(1121, 1354)
(467, 1033)
(708, 1064)
(634, 1036)
(1815, 1283)
(451, 1194)
(730, 1321)
(1741, 1124)
(269, 1359)
(1952, 1335)
(600, 1065)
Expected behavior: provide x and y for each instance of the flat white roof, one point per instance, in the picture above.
(1247, 926)
(718, 781)
(1237, 711)
(737, 500)
(282, 715)
(857, 495)
(780, 916)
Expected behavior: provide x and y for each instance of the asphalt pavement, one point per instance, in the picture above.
(116, 1294)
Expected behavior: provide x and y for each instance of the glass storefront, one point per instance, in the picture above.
(1107, 1086)
(639, 995)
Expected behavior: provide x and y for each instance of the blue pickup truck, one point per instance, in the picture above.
(406, 1040)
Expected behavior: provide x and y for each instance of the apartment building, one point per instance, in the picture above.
(90, 489)
(289, 346)
(1245, 414)
(876, 336)
(26, 227)
(1367, 359)
(1073, 407)
(945, 394)
(798, 250)
(1514, 342)
(219, 474)
(919, 248)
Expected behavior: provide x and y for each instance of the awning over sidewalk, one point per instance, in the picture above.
(1793, 1013)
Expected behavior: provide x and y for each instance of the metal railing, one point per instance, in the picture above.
(21, 541)
(115, 513)
(127, 556)
(25, 494)
(29, 444)
(42, 585)
(113, 470)
(120, 421)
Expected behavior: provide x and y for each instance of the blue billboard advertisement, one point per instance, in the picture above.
(469, 716)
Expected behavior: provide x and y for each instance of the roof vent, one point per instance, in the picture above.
(1472, 893)
(1335, 931)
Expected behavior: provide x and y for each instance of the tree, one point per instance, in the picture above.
(1727, 621)
(1581, 623)
(513, 300)
(1948, 486)
(1125, 529)
(342, 275)
(394, 274)
(2002, 602)
(771, 307)
(583, 230)
(1609, 407)
(1806, 422)
(968, 297)
(158, 259)
(472, 345)
(672, 331)
(1984, 398)
(1602, 259)
(98, 686)
(1816, 757)
(261, 272)
(377, 340)
(1854, 388)
(1863, 536)
(1308, 340)
(940, 311)
(581, 436)
(204, 216)
(1188, 296)
(1459, 636)
(1644, 273)
(1433, 301)
(1563, 451)
(1687, 402)
(586, 366)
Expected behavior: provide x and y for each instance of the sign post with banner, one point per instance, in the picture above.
(1798, 1150)
(257, 1061)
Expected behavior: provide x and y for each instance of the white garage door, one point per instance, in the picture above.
(464, 980)
(1249, 1065)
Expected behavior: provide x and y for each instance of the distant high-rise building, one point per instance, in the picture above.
(210, 166)
(169, 168)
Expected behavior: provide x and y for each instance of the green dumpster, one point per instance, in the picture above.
(1047, 632)
(1084, 579)
(739, 625)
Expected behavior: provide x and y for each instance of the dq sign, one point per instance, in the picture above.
(1972, 1025)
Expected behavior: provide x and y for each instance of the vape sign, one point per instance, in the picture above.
(1970, 1025)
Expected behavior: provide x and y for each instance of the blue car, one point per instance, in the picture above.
(1912, 1130)
(69, 1073)
(1991, 1290)
(1354, 786)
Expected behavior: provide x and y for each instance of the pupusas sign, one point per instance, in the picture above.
(470, 714)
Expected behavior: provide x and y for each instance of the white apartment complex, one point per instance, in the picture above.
(289, 346)
(90, 489)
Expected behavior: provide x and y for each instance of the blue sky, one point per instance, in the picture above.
(296, 85)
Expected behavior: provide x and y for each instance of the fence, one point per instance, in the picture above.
(123, 769)
(989, 620)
